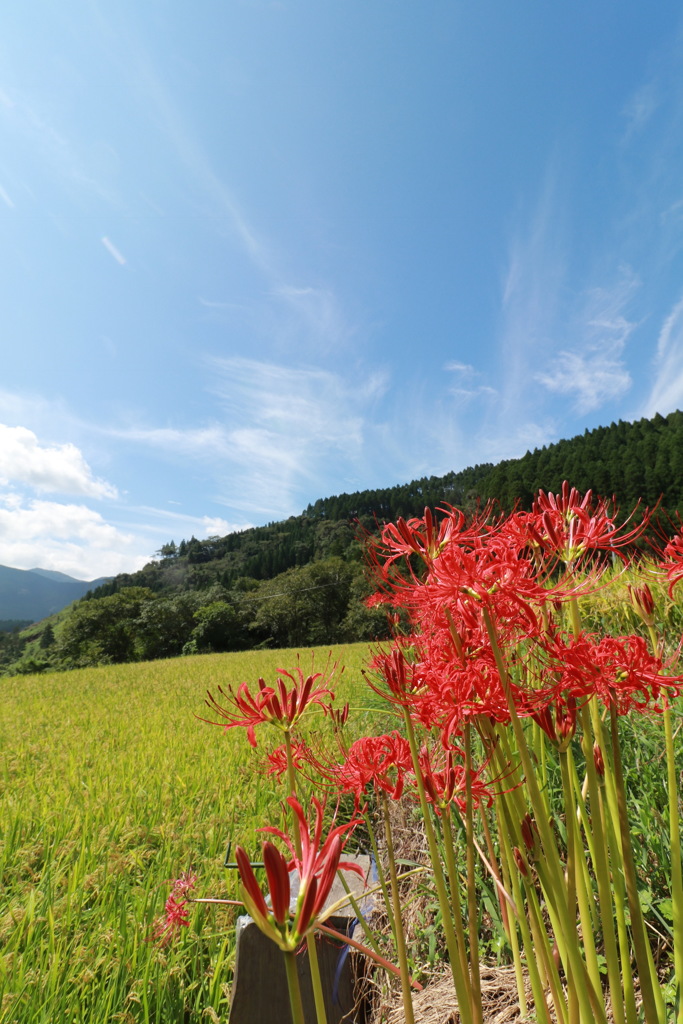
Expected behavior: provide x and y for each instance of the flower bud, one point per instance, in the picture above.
(599, 761)
(520, 862)
(643, 603)
(529, 832)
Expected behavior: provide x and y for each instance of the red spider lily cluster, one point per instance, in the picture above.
(501, 574)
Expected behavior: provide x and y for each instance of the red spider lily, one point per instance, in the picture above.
(619, 671)
(422, 537)
(673, 561)
(380, 761)
(569, 525)
(316, 868)
(277, 759)
(276, 704)
(175, 913)
(445, 780)
(401, 677)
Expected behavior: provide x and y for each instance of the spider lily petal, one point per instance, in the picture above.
(278, 881)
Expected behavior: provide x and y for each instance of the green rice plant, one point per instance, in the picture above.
(110, 787)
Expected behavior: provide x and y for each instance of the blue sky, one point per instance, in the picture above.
(256, 253)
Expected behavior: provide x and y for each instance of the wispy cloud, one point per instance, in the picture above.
(640, 108)
(666, 393)
(282, 428)
(5, 198)
(113, 251)
(594, 371)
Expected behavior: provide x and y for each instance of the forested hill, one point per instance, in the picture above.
(631, 461)
(301, 582)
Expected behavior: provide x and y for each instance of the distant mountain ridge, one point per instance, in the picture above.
(36, 593)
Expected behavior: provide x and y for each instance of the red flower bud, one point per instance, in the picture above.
(520, 862)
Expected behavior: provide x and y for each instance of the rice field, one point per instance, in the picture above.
(110, 787)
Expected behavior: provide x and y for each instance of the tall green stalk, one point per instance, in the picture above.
(653, 1002)
(398, 921)
(472, 909)
(588, 999)
(294, 988)
(461, 980)
(314, 964)
(675, 841)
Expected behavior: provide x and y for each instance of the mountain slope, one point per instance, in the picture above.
(36, 593)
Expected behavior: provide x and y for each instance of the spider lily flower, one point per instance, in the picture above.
(276, 760)
(175, 913)
(380, 761)
(281, 704)
(618, 671)
(316, 867)
(673, 561)
(445, 780)
(570, 525)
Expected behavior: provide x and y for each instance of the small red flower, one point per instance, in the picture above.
(445, 780)
(175, 913)
(277, 759)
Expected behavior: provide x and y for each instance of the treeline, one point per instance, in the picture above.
(302, 582)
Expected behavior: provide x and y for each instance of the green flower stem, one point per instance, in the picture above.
(472, 909)
(600, 859)
(541, 948)
(610, 817)
(295, 1002)
(511, 883)
(531, 945)
(589, 1000)
(314, 964)
(456, 904)
(461, 980)
(584, 884)
(381, 875)
(619, 896)
(570, 871)
(400, 936)
(653, 1002)
(502, 902)
(675, 840)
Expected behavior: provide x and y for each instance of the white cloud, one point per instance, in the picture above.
(113, 251)
(666, 393)
(57, 468)
(640, 109)
(463, 368)
(591, 377)
(593, 370)
(214, 526)
(67, 537)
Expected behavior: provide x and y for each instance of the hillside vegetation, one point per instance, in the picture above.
(302, 581)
